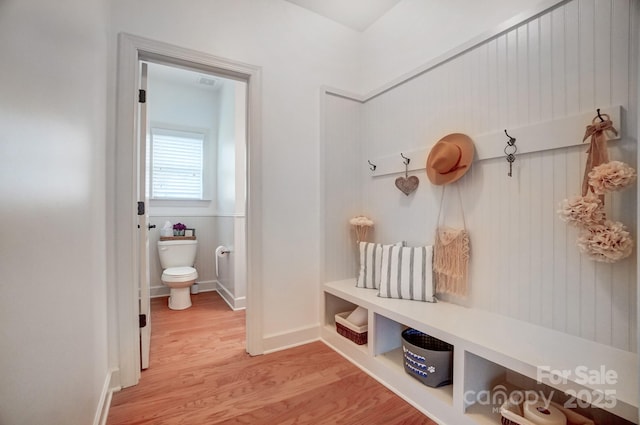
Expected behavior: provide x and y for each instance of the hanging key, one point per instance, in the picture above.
(510, 151)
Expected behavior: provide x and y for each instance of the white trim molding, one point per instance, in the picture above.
(507, 25)
(539, 9)
(161, 290)
(132, 49)
(235, 303)
(293, 338)
(102, 411)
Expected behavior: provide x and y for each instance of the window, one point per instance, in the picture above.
(176, 164)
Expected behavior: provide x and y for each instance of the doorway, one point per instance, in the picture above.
(196, 173)
(132, 50)
(195, 176)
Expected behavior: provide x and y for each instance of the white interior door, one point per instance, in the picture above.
(143, 224)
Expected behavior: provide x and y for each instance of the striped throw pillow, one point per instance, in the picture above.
(370, 264)
(407, 273)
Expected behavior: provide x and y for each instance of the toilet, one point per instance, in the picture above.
(177, 258)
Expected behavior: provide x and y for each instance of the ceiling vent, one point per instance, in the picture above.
(207, 81)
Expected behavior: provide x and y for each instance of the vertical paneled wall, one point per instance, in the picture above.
(342, 158)
(525, 263)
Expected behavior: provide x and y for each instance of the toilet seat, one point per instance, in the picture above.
(179, 274)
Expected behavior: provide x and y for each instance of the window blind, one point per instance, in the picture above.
(176, 164)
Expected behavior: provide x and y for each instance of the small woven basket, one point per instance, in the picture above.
(427, 359)
(357, 334)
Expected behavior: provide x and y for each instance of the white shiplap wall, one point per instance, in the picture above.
(342, 158)
(525, 263)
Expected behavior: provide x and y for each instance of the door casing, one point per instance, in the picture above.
(131, 50)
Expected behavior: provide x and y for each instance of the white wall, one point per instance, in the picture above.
(415, 32)
(298, 52)
(525, 262)
(53, 316)
(176, 100)
(226, 193)
(226, 150)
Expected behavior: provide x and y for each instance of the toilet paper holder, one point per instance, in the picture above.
(220, 251)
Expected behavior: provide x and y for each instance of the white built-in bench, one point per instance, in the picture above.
(488, 349)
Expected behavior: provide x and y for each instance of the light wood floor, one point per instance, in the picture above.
(200, 374)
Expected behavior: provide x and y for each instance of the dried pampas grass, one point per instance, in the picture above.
(607, 242)
(361, 225)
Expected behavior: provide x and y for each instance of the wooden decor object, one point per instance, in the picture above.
(177, 238)
(407, 185)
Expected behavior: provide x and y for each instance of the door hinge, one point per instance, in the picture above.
(140, 207)
(142, 96)
(143, 320)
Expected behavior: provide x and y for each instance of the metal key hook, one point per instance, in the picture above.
(512, 140)
(510, 151)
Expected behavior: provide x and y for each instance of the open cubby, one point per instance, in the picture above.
(488, 385)
(387, 351)
(333, 306)
(491, 352)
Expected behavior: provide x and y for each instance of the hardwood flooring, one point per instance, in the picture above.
(200, 374)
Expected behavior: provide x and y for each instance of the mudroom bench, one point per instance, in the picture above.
(492, 353)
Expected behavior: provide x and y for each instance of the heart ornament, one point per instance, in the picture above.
(407, 185)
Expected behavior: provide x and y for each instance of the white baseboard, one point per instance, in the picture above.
(235, 303)
(239, 303)
(158, 291)
(290, 339)
(102, 411)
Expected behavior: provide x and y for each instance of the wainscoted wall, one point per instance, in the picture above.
(525, 263)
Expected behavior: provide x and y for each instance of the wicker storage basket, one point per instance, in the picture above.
(427, 359)
(357, 334)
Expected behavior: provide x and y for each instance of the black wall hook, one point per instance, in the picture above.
(405, 159)
(372, 166)
(600, 116)
(510, 151)
(512, 140)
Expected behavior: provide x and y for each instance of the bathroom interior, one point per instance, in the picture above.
(210, 112)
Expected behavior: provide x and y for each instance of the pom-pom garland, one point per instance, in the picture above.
(582, 211)
(600, 239)
(611, 176)
(607, 242)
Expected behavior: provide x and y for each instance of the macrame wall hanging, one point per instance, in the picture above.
(451, 254)
(600, 239)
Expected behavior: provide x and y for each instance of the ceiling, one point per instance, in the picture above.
(356, 14)
(183, 76)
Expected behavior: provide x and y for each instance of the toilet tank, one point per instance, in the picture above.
(177, 253)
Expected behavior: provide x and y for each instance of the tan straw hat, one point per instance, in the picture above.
(450, 158)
